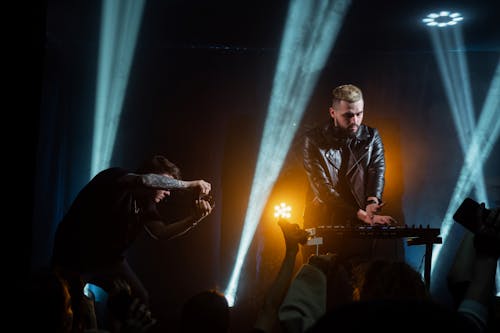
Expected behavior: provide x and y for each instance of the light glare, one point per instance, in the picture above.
(443, 19)
(282, 211)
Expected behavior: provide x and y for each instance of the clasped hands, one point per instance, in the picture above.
(204, 204)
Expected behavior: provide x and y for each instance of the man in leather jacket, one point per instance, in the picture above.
(345, 166)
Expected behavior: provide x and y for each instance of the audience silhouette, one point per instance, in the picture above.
(322, 296)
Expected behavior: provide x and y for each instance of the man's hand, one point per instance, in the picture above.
(383, 220)
(120, 286)
(293, 234)
(374, 208)
(203, 186)
(375, 219)
(202, 209)
(139, 318)
(323, 261)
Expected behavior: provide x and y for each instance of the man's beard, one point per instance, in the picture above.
(341, 132)
(348, 133)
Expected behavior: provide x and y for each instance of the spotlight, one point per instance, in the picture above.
(282, 211)
(442, 19)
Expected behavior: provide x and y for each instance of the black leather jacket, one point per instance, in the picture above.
(365, 174)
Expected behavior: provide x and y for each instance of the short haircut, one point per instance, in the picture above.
(346, 92)
(206, 311)
(385, 279)
(159, 164)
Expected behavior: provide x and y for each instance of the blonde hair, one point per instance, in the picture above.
(347, 92)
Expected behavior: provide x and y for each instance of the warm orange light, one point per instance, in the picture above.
(282, 211)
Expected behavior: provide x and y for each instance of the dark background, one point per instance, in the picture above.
(198, 91)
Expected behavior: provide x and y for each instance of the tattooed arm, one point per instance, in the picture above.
(164, 182)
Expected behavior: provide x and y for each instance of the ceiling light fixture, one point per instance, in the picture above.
(442, 19)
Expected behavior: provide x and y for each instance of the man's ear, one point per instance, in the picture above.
(331, 110)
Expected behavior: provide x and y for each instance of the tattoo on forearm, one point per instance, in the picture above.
(159, 181)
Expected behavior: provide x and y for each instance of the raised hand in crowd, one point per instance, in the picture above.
(127, 313)
(267, 318)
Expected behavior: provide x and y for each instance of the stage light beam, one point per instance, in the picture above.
(449, 50)
(309, 34)
(120, 21)
(485, 136)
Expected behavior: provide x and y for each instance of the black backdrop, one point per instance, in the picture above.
(198, 92)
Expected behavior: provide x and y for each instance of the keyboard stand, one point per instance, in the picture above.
(414, 236)
(429, 243)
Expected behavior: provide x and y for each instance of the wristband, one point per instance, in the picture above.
(372, 201)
